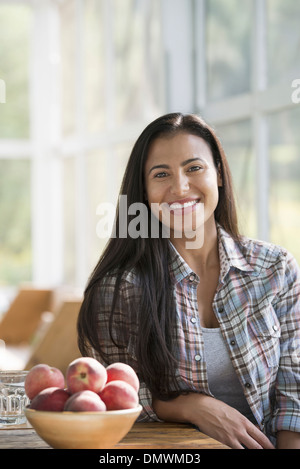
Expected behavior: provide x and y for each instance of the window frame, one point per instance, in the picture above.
(184, 70)
(256, 105)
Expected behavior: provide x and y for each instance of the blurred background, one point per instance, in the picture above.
(79, 81)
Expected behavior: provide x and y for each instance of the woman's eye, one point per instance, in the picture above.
(160, 175)
(195, 168)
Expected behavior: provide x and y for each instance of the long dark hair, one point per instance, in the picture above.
(149, 256)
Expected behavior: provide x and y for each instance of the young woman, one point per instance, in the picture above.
(207, 318)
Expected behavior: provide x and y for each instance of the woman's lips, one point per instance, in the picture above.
(184, 206)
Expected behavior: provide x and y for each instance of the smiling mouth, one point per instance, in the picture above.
(178, 206)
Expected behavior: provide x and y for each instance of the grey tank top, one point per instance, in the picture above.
(222, 378)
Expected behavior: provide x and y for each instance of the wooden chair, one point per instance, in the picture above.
(21, 320)
(58, 347)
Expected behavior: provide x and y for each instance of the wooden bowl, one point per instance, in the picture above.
(82, 430)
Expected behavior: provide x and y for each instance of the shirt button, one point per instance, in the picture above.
(232, 342)
(197, 358)
(192, 278)
(275, 328)
(193, 320)
(248, 385)
(221, 310)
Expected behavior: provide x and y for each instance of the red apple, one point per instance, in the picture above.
(51, 399)
(85, 401)
(85, 373)
(118, 395)
(43, 376)
(123, 372)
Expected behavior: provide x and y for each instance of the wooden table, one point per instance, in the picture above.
(142, 436)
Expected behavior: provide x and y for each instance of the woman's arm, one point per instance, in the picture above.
(286, 414)
(214, 418)
(288, 440)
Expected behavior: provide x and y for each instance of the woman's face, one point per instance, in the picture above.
(181, 183)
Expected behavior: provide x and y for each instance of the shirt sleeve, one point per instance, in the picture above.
(124, 330)
(287, 406)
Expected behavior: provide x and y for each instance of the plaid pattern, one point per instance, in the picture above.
(257, 303)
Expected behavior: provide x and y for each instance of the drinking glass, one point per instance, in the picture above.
(13, 399)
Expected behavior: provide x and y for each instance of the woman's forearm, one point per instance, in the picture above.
(180, 409)
(214, 418)
(288, 440)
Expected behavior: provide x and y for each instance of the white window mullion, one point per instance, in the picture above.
(259, 121)
(80, 156)
(15, 148)
(177, 42)
(46, 182)
(200, 72)
(110, 90)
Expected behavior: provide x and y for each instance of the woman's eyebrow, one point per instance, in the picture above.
(184, 163)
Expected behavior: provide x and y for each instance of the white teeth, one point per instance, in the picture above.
(176, 205)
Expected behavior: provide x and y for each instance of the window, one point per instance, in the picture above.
(247, 56)
(282, 40)
(15, 156)
(236, 138)
(14, 60)
(82, 78)
(284, 179)
(228, 48)
(112, 85)
(15, 210)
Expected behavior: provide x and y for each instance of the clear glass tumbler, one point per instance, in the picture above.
(13, 399)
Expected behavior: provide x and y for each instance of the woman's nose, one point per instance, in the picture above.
(180, 184)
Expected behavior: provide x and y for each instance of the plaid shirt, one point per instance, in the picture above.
(257, 304)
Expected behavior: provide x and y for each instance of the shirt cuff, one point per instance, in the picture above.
(147, 414)
(288, 419)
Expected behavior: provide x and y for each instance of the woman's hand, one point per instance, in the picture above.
(214, 418)
(226, 424)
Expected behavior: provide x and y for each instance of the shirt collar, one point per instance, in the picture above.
(229, 252)
(178, 267)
